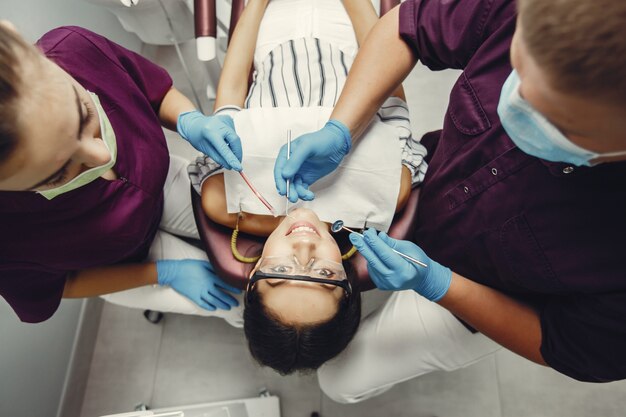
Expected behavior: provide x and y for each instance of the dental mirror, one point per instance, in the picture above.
(338, 225)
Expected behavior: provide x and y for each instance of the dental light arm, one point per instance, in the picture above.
(205, 28)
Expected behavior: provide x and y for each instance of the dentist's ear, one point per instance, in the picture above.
(8, 25)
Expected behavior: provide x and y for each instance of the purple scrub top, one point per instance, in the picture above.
(104, 222)
(549, 234)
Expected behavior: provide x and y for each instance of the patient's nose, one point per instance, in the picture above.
(304, 252)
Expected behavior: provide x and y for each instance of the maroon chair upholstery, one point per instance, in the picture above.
(386, 5)
(216, 238)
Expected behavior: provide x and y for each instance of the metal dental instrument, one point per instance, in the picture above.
(288, 154)
(338, 225)
(258, 194)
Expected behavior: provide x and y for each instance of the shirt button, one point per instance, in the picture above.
(494, 171)
(466, 190)
(568, 170)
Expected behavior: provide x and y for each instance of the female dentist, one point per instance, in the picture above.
(84, 169)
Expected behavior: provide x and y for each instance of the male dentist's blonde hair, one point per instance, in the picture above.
(580, 43)
(14, 52)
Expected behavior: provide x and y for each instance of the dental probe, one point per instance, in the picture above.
(258, 194)
(288, 154)
(338, 225)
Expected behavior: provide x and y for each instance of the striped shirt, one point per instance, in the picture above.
(302, 72)
(310, 72)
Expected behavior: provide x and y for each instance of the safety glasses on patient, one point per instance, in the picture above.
(321, 271)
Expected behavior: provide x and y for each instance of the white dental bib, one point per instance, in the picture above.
(363, 191)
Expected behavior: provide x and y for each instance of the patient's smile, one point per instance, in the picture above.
(302, 227)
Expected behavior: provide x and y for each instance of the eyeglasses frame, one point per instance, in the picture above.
(260, 275)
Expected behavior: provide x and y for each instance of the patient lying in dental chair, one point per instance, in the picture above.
(301, 307)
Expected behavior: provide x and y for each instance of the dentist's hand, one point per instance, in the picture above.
(313, 156)
(214, 136)
(197, 280)
(390, 271)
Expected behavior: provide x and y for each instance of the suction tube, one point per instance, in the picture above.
(206, 28)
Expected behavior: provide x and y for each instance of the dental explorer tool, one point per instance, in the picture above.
(288, 154)
(338, 225)
(258, 194)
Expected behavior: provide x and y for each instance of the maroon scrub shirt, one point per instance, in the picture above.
(550, 234)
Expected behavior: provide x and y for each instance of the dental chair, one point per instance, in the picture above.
(217, 238)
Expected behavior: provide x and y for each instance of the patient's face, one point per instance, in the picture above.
(306, 237)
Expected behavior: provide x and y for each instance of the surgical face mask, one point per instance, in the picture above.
(534, 134)
(108, 137)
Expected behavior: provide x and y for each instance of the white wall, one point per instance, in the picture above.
(33, 18)
(34, 359)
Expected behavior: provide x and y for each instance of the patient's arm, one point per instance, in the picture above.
(233, 85)
(405, 188)
(363, 17)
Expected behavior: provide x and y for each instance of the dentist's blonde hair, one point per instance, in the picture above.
(14, 51)
(580, 43)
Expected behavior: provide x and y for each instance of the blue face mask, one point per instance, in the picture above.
(534, 134)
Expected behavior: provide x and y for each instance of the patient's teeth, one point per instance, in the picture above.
(303, 229)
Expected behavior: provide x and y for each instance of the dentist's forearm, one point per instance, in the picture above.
(109, 279)
(173, 104)
(503, 319)
(381, 65)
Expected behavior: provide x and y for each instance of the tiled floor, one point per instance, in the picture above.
(186, 359)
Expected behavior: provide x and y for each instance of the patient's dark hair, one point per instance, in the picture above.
(13, 49)
(290, 348)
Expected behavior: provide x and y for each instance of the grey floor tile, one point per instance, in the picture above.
(123, 365)
(205, 359)
(469, 392)
(528, 389)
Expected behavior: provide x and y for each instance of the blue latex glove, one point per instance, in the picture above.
(390, 271)
(197, 280)
(214, 136)
(313, 156)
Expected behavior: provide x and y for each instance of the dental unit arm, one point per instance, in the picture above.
(205, 20)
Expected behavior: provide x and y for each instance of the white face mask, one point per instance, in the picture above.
(108, 137)
(534, 134)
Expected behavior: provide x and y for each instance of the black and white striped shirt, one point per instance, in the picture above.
(310, 72)
(302, 72)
